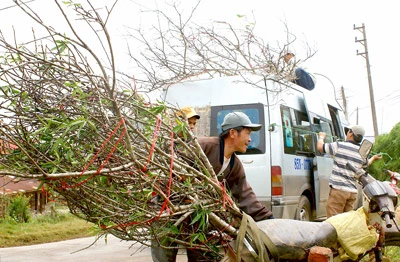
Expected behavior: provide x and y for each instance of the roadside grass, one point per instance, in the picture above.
(44, 229)
(393, 253)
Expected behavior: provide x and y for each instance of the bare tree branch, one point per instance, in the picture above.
(90, 136)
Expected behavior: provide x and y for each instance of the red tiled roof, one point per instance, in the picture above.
(12, 185)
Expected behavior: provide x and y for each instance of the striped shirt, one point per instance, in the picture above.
(342, 178)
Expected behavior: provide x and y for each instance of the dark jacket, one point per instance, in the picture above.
(235, 177)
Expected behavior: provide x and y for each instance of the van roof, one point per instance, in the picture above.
(238, 90)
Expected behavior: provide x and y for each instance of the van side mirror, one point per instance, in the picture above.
(365, 149)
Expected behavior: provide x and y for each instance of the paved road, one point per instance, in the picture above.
(71, 250)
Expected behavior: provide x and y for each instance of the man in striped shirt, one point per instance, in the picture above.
(342, 182)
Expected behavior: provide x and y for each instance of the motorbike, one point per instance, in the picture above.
(394, 179)
(294, 239)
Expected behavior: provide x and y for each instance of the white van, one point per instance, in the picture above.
(282, 164)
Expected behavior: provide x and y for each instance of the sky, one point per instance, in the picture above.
(328, 27)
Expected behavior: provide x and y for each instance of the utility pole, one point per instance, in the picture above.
(357, 116)
(371, 91)
(344, 102)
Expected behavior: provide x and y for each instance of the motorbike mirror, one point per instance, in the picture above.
(365, 149)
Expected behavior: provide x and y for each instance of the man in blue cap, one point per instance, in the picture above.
(220, 151)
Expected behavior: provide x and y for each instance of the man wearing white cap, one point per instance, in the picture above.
(342, 182)
(298, 75)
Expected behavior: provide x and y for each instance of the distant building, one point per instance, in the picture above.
(11, 186)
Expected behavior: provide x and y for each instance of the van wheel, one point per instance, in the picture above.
(304, 209)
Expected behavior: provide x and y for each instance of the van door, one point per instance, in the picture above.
(323, 165)
(318, 113)
(333, 127)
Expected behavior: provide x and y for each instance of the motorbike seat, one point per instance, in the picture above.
(293, 238)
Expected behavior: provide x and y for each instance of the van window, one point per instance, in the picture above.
(256, 114)
(296, 128)
(322, 125)
(336, 122)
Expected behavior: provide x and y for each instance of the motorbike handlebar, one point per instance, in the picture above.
(376, 191)
(388, 221)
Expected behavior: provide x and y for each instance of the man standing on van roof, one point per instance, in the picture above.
(342, 182)
(299, 76)
(220, 151)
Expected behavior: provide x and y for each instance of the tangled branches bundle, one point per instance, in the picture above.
(98, 142)
(114, 157)
(120, 170)
(111, 154)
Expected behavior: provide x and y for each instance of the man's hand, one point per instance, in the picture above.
(374, 158)
(320, 142)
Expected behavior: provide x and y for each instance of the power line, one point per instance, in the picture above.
(11, 6)
(390, 96)
(139, 4)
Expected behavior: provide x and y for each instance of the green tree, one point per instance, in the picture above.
(19, 209)
(389, 146)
